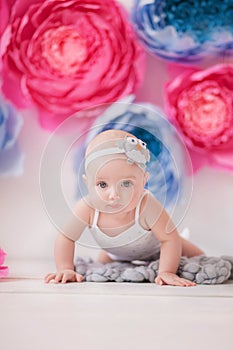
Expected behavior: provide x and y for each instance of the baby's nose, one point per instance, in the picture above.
(113, 194)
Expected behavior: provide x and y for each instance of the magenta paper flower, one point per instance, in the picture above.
(3, 269)
(65, 56)
(200, 104)
(4, 11)
(5, 6)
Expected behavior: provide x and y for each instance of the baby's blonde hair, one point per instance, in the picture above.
(108, 136)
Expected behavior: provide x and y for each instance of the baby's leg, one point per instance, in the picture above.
(189, 249)
(104, 258)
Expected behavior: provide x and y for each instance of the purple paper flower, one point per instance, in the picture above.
(11, 158)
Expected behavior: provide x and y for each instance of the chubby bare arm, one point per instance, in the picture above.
(64, 255)
(189, 249)
(157, 219)
(65, 244)
(63, 252)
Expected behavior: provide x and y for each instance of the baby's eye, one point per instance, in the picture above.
(102, 184)
(142, 143)
(126, 183)
(132, 140)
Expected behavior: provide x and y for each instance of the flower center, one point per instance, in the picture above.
(205, 114)
(64, 49)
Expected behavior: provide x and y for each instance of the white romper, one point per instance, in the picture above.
(135, 243)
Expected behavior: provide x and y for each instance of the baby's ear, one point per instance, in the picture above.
(146, 175)
(84, 176)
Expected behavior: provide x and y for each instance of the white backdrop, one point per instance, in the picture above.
(26, 230)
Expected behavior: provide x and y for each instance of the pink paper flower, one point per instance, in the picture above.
(3, 269)
(65, 56)
(200, 104)
(5, 8)
(4, 11)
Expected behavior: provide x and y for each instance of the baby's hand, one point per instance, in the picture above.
(172, 279)
(63, 277)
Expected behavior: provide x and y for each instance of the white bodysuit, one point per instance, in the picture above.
(135, 243)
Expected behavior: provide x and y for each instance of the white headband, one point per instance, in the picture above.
(135, 150)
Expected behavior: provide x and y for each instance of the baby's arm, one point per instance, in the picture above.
(64, 246)
(64, 254)
(171, 247)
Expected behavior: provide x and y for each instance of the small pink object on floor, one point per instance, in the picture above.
(3, 269)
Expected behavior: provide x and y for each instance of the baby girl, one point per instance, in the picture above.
(125, 219)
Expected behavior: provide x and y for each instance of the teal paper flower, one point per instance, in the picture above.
(184, 30)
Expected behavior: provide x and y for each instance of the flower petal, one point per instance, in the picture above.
(11, 161)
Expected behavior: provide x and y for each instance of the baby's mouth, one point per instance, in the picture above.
(114, 205)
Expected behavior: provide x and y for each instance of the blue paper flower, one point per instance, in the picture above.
(184, 30)
(145, 121)
(11, 158)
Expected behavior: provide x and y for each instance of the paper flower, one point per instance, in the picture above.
(11, 158)
(3, 269)
(200, 104)
(145, 121)
(4, 10)
(184, 30)
(65, 56)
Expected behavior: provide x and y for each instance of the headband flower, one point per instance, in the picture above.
(134, 149)
(66, 56)
(200, 104)
(184, 30)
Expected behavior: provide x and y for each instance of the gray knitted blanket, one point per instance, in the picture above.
(199, 269)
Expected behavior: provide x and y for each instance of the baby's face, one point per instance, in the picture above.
(115, 185)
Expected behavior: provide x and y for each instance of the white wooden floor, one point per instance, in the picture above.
(34, 315)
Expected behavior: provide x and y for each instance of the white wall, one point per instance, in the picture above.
(26, 230)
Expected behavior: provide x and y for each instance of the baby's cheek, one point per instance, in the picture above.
(98, 196)
(102, 198)
(126, 194)
(132, 201)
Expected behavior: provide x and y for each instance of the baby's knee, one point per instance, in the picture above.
(104, 258)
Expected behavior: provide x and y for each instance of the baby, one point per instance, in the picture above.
(126, 220)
